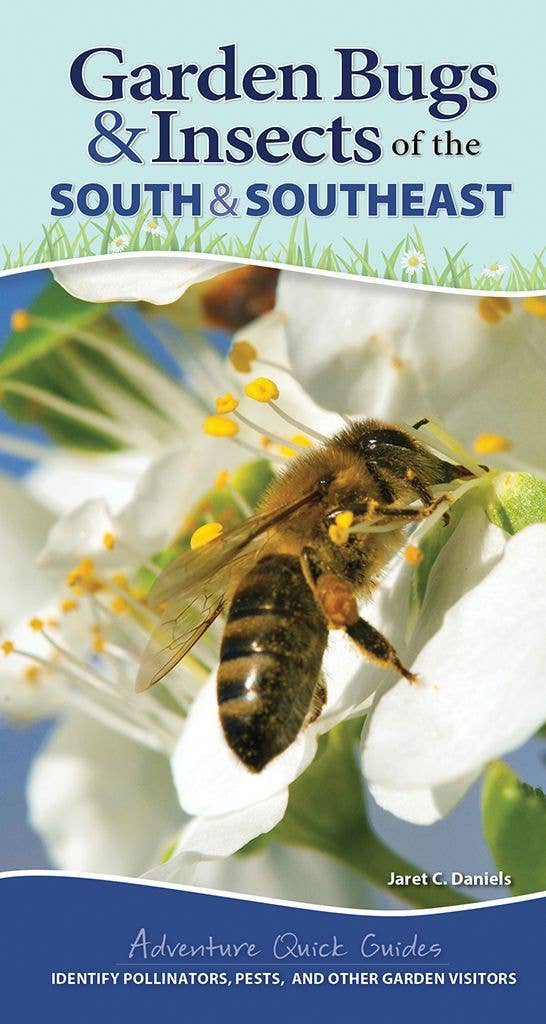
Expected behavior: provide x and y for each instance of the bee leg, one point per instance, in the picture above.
(317, 703)
(338, 603)
(368, 511)
(377, 648)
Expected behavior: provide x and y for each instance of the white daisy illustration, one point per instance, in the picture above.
(413, 261)
(152, 228)
(494, 270)
(119, 243)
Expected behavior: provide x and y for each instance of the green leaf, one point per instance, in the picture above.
(252, 480)
(49, 356)
(514, 824)
(517, 500)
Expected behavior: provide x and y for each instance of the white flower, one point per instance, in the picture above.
(400, 354)
(494, 270)
(152, 228)
(158, 279)
(119, 243)
(413, 261)
(471, 671)
(479, 651)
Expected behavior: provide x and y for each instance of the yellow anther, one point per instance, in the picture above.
(98, 644)
(109, 541)
(119, 606)
(204, 534)
(535, 305)
(226, 403)
(265, 441)
(20, 320)
(119, 579)
(86, 567)
(492, 308)
(488, 444)
(36, 624)
(299, 439)
(262, 389)
(68, 605)
(413, 555)
(137, 593)
(221, 479)
(7, 647)
(242, 356)
(220, 426)
(31, 673)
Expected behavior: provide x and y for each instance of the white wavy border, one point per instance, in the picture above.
(271, 901)
(242, 262)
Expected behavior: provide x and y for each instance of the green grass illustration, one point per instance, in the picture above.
(96, 237)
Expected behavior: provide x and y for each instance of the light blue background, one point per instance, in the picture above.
(46, 126)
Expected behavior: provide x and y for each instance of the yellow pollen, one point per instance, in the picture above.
(31, 673)
(338, 534)
(87, 567)
(488, 444)
(137, 593)
(221, 479)
(119, 606)
(226, 403)
(262, 389)
(98, 644)
(535, 305)
(20, 320)
(36, 624)
(493, 308)
(7, 647)
(301, 439)
(68, 605)
(120, 579)
(109, 541)
(344, 519)
(204, 535)
(265, 441)
(220, 426)
(242, 355)
(413, 555)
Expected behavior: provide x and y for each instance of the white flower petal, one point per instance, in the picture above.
(481, 692)
(81, 532)
(24, 524)
(280, 872)
(372, 349)
(101, 802)
(423, 806)
(135, 278)
(65, 480)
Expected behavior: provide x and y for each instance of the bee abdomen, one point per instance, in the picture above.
(270, 660)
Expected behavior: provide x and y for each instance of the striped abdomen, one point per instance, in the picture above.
(270, 660)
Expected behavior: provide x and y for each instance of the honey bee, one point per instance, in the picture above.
(284, 578)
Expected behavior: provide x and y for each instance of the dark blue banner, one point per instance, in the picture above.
(85, 949)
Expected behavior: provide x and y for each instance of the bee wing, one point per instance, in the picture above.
(192, 568)
(193, 589)
(182, 625)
